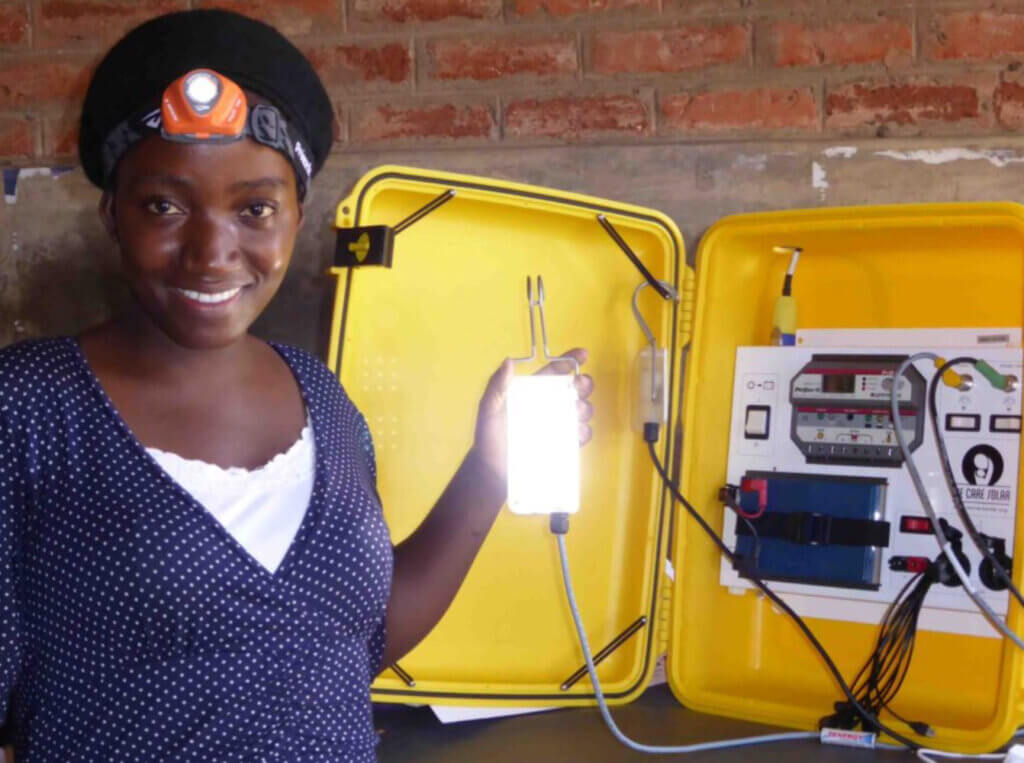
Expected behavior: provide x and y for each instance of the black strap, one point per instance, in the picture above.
(813, 529)
(264, 124)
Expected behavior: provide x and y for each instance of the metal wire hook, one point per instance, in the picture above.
(538, 303)
(648, 333)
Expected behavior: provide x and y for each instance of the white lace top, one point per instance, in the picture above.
(261, 508)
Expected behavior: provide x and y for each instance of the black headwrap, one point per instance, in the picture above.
(136, 70)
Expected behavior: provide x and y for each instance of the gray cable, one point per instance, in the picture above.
(926, 502)
(606, 713)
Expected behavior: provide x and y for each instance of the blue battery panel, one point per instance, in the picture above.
(814, 529)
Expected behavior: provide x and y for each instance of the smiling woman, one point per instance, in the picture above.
(206, 232)
(193, 558)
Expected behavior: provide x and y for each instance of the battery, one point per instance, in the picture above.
(812, 528)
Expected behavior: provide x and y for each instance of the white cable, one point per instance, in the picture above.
(901, 748)
(926, 502)
(606, 714)
(793, 261)
(926, 755)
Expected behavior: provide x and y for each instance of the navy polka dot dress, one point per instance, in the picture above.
(133, 627)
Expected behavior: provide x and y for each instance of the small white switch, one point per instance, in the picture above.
(756, 424)
(963, 422)
(1005, 424)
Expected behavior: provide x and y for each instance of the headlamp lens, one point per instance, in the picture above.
(202, 90)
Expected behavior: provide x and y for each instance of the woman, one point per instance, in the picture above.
(193, 561)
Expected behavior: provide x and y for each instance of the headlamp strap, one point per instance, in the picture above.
(264, 124)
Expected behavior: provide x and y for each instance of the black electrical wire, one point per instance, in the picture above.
(880, 679)
(868, 717)
(755, 555)
(947, 471)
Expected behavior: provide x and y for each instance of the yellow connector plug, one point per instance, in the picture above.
(952, 379)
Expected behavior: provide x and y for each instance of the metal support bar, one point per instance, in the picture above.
(406, 678)
(665, 292)
(425, 210)
(615, 643)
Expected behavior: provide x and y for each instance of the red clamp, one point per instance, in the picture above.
(759, 486)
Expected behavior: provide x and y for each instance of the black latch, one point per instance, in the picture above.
(367, 245)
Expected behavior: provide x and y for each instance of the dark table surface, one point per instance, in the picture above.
(412, 734)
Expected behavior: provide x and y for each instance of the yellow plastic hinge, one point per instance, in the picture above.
(664, 616)
(687, 306)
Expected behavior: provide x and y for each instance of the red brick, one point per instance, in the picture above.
(66, 22)
(340, 127)
(670, 50)
(975, 35)
(1008, 101)
(33, 81)
(421, 121)
(291, 17)
(563, 8)
(403, 11)
(496, 58)
(367, 64)
(13, 25)
(60, 135)
(761, 109)
(16, 138)
(888, 41)
(705, 7)
(576, 117)
(910, 104)
(835, 8)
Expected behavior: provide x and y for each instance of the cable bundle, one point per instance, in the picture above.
(880, 679)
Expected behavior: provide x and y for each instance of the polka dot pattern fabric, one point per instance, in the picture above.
(133, 627)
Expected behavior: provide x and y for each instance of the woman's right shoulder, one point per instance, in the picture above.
(37, 355)
(35, 368)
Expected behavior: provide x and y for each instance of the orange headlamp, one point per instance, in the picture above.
(203, 106)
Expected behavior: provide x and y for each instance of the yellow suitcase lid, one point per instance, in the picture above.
(413, 344)
(418, 342)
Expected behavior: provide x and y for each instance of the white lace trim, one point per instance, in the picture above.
(285, 468)
(261, 508)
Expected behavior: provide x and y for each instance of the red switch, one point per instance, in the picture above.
(916, 525)
(912, 564)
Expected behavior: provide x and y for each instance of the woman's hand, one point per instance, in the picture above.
(490, 441)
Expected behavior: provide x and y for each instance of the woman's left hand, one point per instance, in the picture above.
(489, 443)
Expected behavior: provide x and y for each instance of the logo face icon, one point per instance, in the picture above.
(982, 465)
(360, 248)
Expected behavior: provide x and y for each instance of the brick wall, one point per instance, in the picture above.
(484, 72)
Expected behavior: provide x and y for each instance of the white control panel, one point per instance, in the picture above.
(825, 412)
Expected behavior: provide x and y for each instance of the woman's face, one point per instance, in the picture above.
(206, 232)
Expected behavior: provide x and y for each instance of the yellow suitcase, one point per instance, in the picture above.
(413, 344)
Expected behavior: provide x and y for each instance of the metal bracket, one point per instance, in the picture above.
(666, 291)
(614, 644)
(406, 678)
(425, 210)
